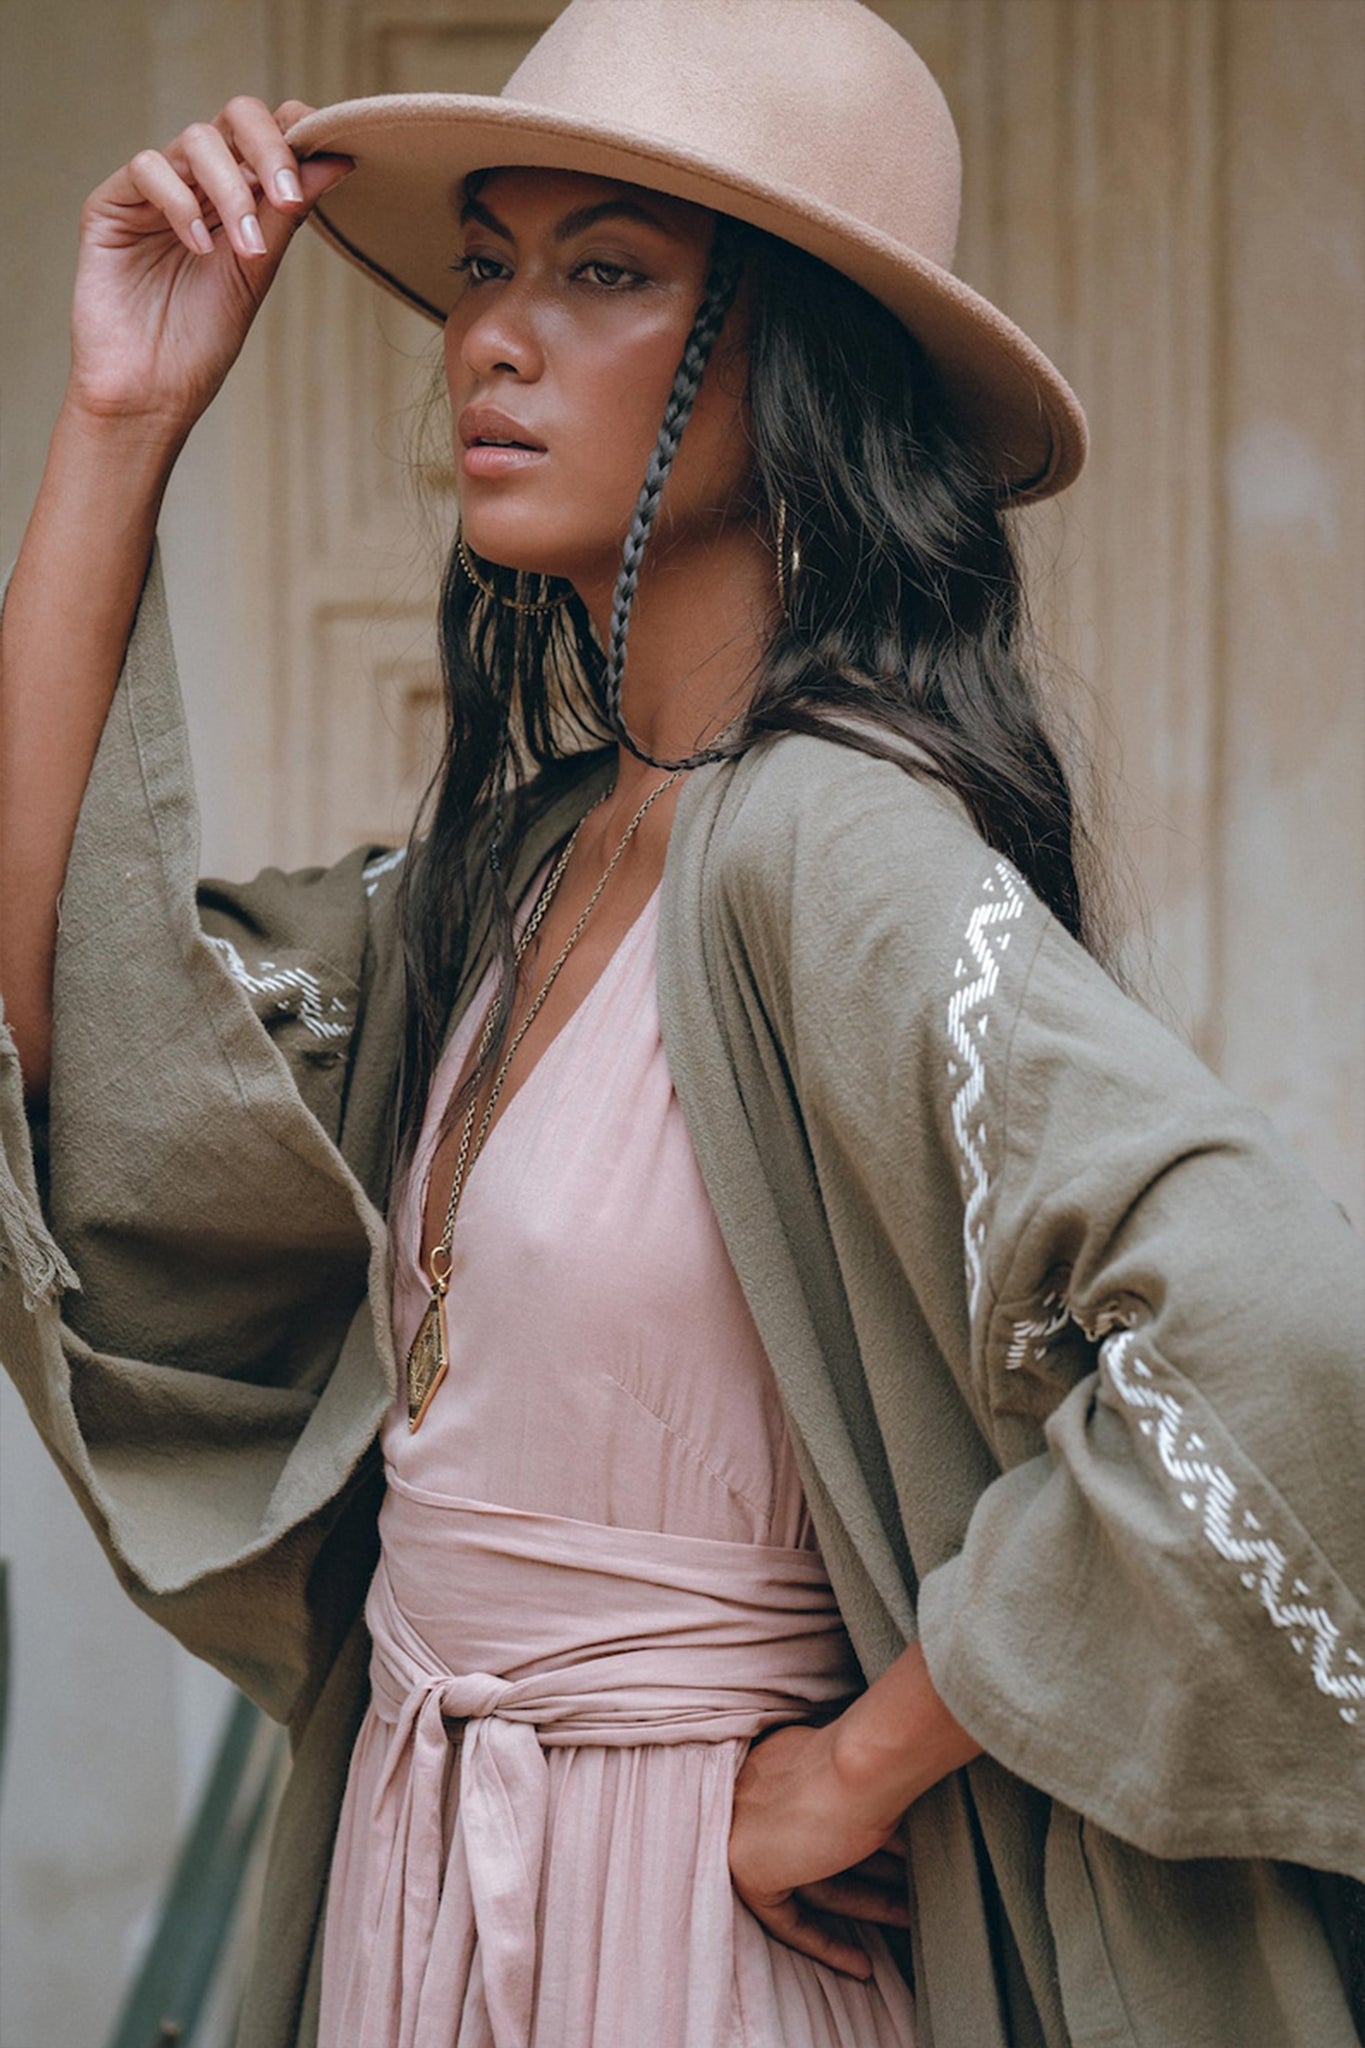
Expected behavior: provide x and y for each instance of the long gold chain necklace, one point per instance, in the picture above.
(429, 1358)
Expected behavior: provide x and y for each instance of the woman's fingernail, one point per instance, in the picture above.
(288, 188)
(251, 234)
(201, 238)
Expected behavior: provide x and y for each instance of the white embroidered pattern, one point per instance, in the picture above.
(1030, 1337)
(1004, 899)
(294, 988)
(1205, 1490)
(382, 864)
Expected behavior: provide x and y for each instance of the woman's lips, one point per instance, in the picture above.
(486, 459)
(494, 443)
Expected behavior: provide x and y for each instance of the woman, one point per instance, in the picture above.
(1028, 1284)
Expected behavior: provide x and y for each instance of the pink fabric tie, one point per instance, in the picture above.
(607, 1636)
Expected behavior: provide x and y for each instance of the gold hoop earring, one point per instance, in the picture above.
(485, 588)
(785, 576)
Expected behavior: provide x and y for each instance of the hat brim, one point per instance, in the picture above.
(396, 218)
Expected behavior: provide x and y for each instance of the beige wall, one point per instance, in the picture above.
(1291, 603)
(1168, 194)
(110, 1723)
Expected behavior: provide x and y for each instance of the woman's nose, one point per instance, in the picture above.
(502, 334)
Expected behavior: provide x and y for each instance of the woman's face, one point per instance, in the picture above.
(579, 295)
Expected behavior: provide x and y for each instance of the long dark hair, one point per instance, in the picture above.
(907, 622)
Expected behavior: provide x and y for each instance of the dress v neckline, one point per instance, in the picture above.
(478, 1006)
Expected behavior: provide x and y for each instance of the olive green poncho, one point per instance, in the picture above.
(1069, 1344)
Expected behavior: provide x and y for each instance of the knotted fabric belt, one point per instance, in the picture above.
(507, 1632)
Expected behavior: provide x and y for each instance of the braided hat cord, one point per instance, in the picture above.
(721, 285)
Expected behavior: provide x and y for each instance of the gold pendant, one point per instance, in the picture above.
(428, 1360)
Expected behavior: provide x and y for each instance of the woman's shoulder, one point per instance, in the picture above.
(822, 837)
(794, 770)
(859, 897)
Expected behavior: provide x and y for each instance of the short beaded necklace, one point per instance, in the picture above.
(429, 1358)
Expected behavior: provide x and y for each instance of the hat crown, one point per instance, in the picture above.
(810, 119)
(779, 92)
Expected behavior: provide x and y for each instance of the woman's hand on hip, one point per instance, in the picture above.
(177, 251)
(801, 1849)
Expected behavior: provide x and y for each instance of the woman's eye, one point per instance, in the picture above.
(478, 269)
(610, 276)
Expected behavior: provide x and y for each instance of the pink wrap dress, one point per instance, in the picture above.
(598, 1580)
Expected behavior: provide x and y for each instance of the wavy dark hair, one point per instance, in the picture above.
(907, 622)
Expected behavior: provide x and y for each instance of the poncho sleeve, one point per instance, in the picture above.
(1145, 1319)
(1157, 1617)
(191, 1241)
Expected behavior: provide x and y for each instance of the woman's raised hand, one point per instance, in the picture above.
(177, 251)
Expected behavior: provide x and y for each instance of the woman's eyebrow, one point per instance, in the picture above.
(606, 209)
(474, 209)
(575, 223)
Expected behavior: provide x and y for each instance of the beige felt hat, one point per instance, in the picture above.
(809, 118)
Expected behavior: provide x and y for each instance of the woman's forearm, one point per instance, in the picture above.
(65, 628)
(898, 1738)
